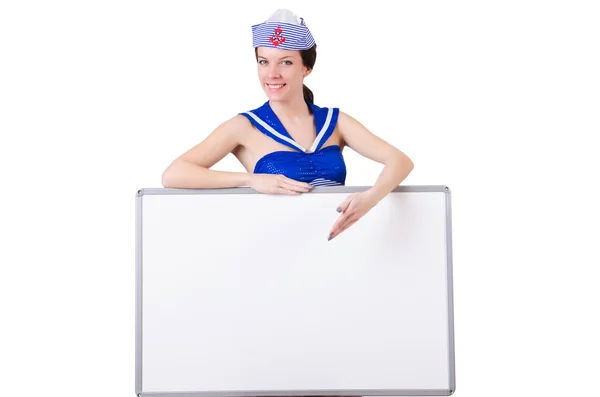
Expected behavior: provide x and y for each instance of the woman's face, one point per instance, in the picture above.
(281, 73)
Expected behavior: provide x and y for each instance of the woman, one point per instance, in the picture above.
(289, 145)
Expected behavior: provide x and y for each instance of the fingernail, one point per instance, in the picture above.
(339, 209)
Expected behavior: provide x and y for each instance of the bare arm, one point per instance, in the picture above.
(192, 168)
(397, 165)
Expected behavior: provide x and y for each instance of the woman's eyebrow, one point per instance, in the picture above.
(287, 56)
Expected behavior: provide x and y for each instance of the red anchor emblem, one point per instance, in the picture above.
(277, 38)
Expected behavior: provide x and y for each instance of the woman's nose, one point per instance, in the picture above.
(274, 71)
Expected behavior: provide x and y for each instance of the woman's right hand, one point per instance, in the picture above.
(278, 184)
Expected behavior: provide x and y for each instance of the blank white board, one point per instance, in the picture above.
(241, 294)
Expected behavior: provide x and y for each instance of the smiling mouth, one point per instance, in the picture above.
(275, 87)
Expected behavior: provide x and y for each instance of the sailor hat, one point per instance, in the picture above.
(283, 30)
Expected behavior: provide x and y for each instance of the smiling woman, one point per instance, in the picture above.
(289, 145)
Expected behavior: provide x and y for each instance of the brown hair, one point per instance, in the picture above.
(309, 58)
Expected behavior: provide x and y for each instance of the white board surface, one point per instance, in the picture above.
(241, 293)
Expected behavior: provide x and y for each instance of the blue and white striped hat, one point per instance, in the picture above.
(283, 30)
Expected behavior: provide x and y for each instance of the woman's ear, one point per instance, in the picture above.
(306, 71)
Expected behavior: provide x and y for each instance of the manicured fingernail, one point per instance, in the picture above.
(330, 236)
(339, 209)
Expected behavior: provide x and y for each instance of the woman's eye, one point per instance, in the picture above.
(287, 62)
(262, 62)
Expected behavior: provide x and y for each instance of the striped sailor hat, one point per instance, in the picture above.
(283, 30)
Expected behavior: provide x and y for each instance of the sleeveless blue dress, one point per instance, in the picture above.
(317, 165)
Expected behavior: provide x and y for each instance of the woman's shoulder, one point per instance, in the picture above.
(324, 108)
(235, 125)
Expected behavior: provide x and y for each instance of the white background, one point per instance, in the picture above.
(498, 100)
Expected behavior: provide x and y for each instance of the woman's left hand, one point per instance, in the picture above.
(352, 209)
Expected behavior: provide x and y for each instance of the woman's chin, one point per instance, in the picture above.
(275, 96)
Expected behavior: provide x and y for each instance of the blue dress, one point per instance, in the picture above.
(317, 165)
